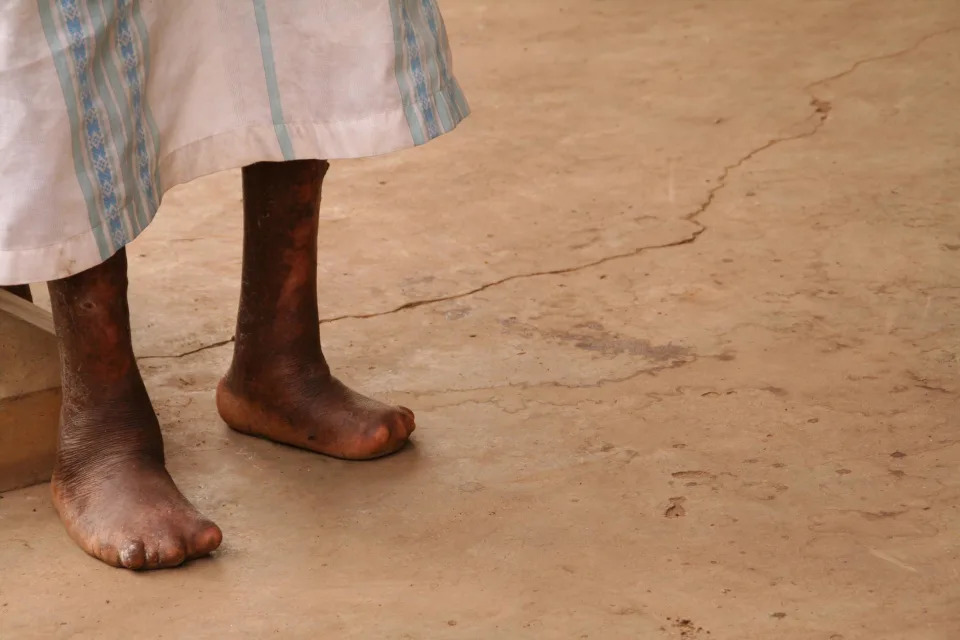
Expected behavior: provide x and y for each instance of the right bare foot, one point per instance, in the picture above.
(113, 493)
(110, 486)
(304, 406)
(279, 385)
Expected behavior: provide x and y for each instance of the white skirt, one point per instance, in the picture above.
(106, 104)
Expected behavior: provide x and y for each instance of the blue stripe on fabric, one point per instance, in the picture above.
(463, 107)
(273, 88)
(131, 65)
(401, 66)
(445, 110)
(451, 88)
(143, 72)
(428, 9)
(422, 95)
(119, 131)
(92, 123)
(432, 100)
(70, 95)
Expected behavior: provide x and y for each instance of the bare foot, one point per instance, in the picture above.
(110, 486)
(121, 506)
(113, 493)
(315, 411)
(279, 385)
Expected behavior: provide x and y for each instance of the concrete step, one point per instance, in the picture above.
(29, 393)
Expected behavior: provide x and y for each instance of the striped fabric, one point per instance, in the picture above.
(432, 99)
(270, 74)
(106, 104)
(98, 50)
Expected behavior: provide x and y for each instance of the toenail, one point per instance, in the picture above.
(208, 539)
(174, 556)
(407, 423)
(132, 555)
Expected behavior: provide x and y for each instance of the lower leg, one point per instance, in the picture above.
(21, 291)
(110, 486)
(279, 385)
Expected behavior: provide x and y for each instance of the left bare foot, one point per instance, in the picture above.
(279, 385)
(313, 410)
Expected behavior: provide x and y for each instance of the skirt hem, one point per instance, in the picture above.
(376, 135)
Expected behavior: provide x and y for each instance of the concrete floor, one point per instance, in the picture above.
(677, 309)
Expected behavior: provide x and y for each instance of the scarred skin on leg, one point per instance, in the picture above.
(110, 485)
(279, 385)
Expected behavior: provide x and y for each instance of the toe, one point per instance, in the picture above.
(151, 556)
(379, 439)
(207, 538)
(408, 420)
(132, 554)
(173, 552)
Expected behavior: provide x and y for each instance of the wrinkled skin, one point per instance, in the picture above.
(110, 485)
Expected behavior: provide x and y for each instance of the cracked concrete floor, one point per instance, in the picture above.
(677, 309)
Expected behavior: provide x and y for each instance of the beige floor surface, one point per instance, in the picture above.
(678, 309)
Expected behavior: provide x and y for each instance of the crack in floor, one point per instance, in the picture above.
(213, 345)
(821, 111)
(719, 184)
(884, 56)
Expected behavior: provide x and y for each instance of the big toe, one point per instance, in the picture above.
(133, 554)
(407, 420)
(205, 539)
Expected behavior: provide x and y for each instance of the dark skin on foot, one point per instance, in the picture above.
(110, 485)
(279, 385)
